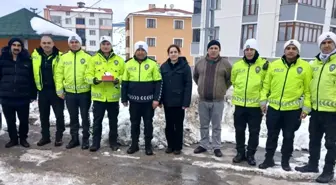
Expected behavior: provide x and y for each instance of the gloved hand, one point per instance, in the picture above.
(116, 81)
(96, 81)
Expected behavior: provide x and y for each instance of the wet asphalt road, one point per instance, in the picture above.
(118, 168)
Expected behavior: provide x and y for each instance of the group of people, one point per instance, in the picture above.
(285, 90)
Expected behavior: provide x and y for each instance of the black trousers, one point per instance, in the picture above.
(174, 127)
(99, 109)
(322, 123)
(22, 111)
(47, 98)
(146, 112)
(252, 117)
(74, 103)
(287, 121)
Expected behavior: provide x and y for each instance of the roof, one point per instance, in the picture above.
(77, 9)
(171, 12)
(17, 24)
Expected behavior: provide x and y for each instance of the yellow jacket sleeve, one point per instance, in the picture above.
(266, 86)
(122, 70)
(90, 71)
(158, 79)
(59, 77)
(306, 92)
(124, 86)
(233, 75)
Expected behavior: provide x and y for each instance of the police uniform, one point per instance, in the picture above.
(284, 85)
(105, 94)
(141, 85)
(71, 82)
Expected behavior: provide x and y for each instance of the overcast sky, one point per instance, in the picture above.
(120, 7)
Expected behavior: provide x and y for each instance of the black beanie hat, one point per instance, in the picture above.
(214, 42)
(10, 42)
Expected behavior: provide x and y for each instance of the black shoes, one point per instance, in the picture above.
(43, 142)
(24, 143)
(218, 153)
(268, 163)
(307, 169)
(199, 150)
(240, 157)
(12, 143)
(169, 150)
(85, 144)
(72, 144)
(133, 149)
(251, 160)
(325, 177)
(149, 150)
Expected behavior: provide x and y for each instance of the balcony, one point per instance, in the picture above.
(304, 13)
(308, 49)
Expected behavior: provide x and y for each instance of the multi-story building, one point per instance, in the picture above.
(271, 22)
(159, 27)
(89, 23)
(119, 39)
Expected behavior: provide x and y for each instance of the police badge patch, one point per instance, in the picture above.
(116, 62)
(299, 70)
(257, 69)
(291, 42)
(146, 66)
(82, 61)
(332, 67)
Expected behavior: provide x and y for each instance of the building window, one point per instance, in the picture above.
(56, 19)
(152, 57)
(218, 4)
(91, 14)
(104, 32)
(81, 33)
(178, 24)
(250, 7)
(92, 32)
(179, 42)
(127, 24)
(316, 3)
(196, 35)
(68, 21)
(105, 22)
(151, 42)
(92, 22)
(80, 21)
(197, 6)
(302, 32)
(333, 29)
(151, 23)
(333, 11)
(67, 13)
(92, 43)
(249, 31)
(127, 41)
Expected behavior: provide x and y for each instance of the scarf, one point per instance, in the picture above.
(324, 57)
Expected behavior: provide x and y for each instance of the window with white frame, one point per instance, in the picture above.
(92, 43)
(92, 32)
(151, 42)
(67, 20)
(67, 13)
(152, 57)
(178, 42)
(91, 14)
(151, 23)
(178, 24)
(92, 22)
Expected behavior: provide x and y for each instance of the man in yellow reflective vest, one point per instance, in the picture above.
(323, 115)
(247, 77)
(286, 83)
(71, 85)
(45, 60)
(104, 73)
(142, 87)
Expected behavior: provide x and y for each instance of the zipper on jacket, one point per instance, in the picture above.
(139, 70)
(41, 78)
(247, 77)
(318, 86)
(283, 88)
(75, 73)
(15, 75)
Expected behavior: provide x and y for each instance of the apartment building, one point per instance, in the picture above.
(271, 22)
(89, 23)
(159, 27)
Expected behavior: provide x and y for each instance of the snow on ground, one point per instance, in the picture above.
(39, 156)
(119, 41)
(10, 176)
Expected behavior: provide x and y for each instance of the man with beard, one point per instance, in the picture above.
(323, 115)
(287, 81)
(71, 85)
(45, 60)
(17, 90)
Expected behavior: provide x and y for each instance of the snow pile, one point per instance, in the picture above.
(91, 10)
(41, 26)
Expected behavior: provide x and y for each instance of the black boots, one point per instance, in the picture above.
(74, 142)
(134, 148)
(43, 141)
(308, 168)
(268, 163)
(199, 150)
(325, 177)
(240, 157)
(24, 143)
(12, 143)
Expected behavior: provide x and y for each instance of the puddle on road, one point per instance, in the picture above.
(39, 156)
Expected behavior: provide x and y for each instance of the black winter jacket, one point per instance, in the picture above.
(16, 77)
(177, 83)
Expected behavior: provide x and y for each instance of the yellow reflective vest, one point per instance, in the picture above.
(247, 82)
(97, 66)
(323, 85)
(285, 86)
(37, 60)
(142, 81)
(70, 73)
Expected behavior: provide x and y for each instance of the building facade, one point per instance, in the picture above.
(119, 39)
(159, 27)
(89, 23)
(271, 22)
